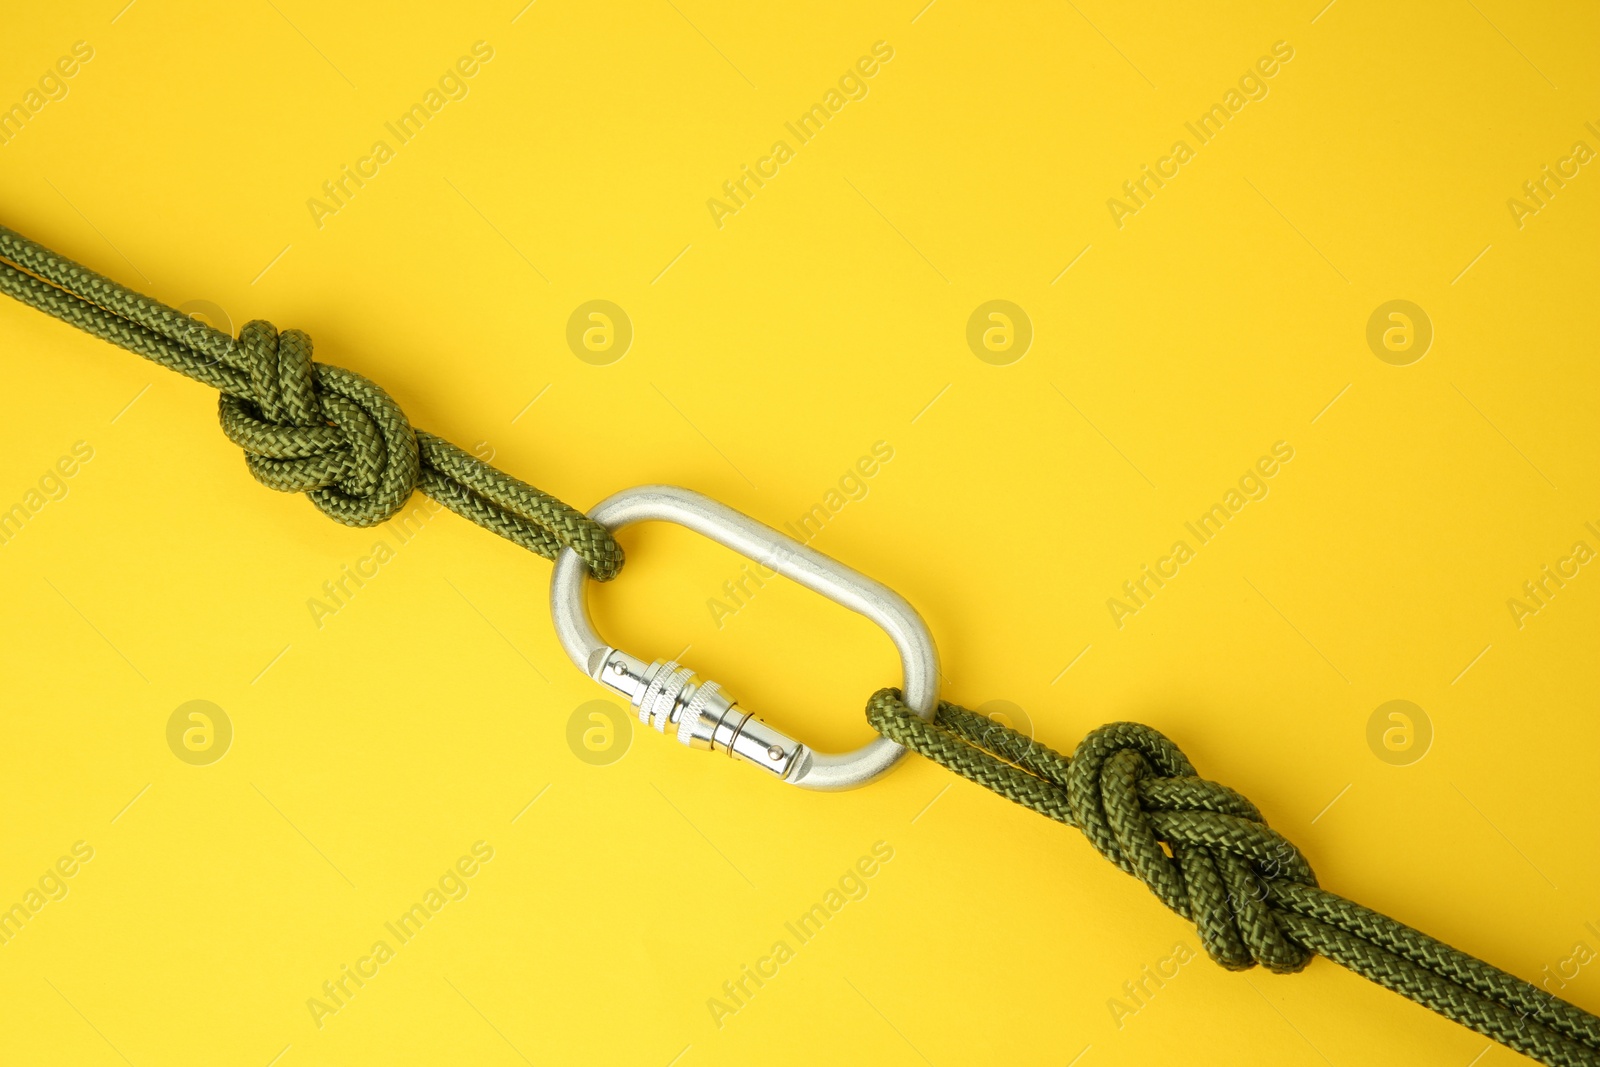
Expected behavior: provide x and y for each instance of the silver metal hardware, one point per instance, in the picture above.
(704, 717)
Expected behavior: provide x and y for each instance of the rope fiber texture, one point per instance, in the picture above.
(1207, 853)
(1204, 850)
(306, 427)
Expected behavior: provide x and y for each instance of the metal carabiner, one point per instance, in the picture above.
(706, 718)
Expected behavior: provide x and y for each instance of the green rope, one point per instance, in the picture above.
(1206, 853)
(306, 427)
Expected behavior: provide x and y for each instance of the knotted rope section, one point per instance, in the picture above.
(1131, 790)
(1207, 853)
(306, 427)
(319, 430)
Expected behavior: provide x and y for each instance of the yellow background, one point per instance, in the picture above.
(1228, 314)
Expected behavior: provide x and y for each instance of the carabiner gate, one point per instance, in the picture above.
(667, 694)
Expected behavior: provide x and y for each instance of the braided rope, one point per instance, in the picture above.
(306, 427)
(1207, 853)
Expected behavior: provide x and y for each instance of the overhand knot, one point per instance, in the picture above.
(320, 430)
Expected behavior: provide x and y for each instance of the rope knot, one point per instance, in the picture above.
(320, 430)
(1203, 849)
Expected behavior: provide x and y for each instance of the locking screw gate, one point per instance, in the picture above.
(667, 694)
